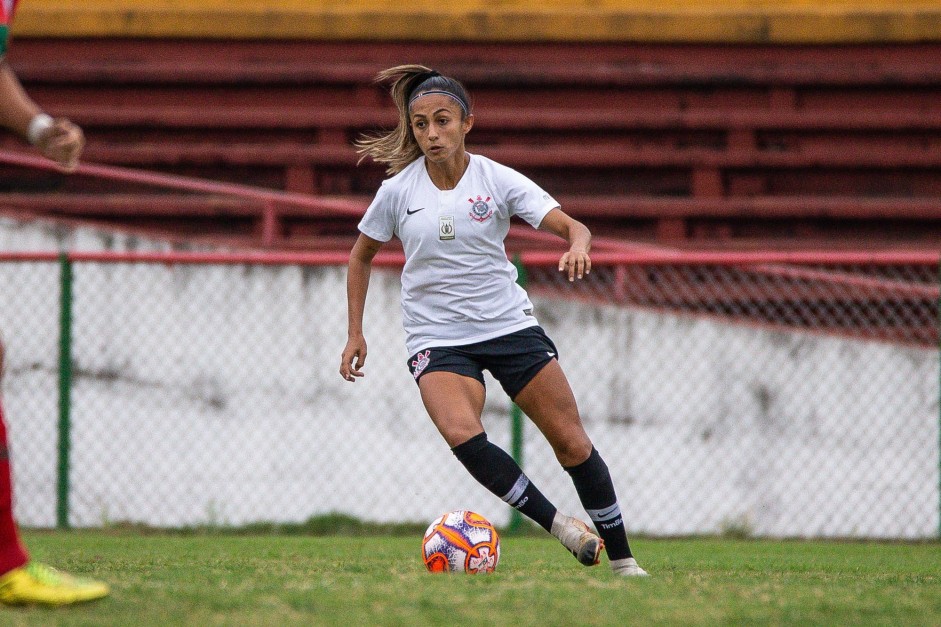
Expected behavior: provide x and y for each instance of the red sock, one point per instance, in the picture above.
(12, 553)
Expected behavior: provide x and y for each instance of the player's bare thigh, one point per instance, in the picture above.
(455, 403)
(549, 402)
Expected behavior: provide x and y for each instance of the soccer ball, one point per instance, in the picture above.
(461, 542)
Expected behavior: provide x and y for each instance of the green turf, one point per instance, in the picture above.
(360, 580)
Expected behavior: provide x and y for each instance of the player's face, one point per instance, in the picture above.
(438, 127)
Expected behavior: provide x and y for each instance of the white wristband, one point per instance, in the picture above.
(37, 126)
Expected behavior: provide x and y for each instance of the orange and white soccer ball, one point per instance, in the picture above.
(461, 542)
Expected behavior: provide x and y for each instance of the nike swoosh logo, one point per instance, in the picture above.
(411, 211)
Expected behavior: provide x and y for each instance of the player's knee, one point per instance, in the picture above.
(457, 435)
(572, 451)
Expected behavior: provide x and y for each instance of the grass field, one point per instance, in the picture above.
(277, 580)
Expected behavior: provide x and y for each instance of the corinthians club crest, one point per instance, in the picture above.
(420, 363)
(480, 208)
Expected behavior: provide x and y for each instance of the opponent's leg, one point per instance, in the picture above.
(12, 553)
(455, 403)
(29, 583)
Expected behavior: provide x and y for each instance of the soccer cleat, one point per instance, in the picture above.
(578, 538)
(628, 567)
(38, 584)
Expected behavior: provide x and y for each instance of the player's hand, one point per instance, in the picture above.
(353, 359)
(62, 142)
(575, 263)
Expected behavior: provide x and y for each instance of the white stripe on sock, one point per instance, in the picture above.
(516, 492)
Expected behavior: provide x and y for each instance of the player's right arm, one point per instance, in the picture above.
(357, 283)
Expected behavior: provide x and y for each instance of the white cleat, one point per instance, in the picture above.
(578, 538)
(628, 568)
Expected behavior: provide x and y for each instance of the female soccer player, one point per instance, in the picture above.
(464, 312)
(22, 581)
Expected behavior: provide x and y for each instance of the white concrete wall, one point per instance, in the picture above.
(211, 394)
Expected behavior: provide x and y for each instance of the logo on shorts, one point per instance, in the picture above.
(480, 208)
(421, 362)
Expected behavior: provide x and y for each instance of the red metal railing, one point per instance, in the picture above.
(747, 277)
(271, 199)
(748, 260)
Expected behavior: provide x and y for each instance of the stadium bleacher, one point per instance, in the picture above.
(792, 143)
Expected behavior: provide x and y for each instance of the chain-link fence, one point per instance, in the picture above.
(778, 397)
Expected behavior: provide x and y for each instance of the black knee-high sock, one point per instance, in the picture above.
(596, 492)
(498, 472)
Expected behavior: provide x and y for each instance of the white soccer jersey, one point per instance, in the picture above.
(458, 287)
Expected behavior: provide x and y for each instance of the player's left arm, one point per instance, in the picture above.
(576, 261)
(56, 138)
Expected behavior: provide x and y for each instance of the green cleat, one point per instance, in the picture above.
(38, 584)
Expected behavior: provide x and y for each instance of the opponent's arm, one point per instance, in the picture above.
(57, 139)
(576, 261)
(357, 283)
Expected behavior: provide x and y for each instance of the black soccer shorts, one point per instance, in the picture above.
(512, 359)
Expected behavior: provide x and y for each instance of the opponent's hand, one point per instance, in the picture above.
(353, 359)
(576, 263)
(62, 142)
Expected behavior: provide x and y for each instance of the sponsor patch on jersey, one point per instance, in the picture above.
(480, 208)
(445, 227)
